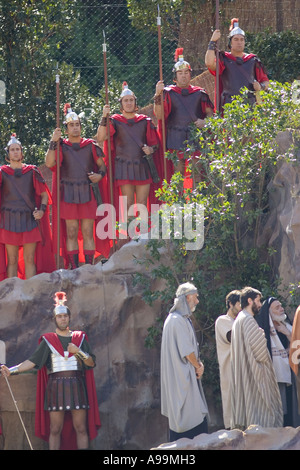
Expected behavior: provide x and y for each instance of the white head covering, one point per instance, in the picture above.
(180, 303)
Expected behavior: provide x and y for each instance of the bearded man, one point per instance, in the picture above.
(182, 398)
(236, 68)
(278, 331)
(66, 397)
(255, 396)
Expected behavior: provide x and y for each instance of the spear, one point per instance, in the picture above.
(161, 78)
(18, 411)
(217, 59)
(108, 125)
(57, 80)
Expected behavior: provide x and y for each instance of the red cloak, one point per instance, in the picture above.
(44, 257)
(102, 247)
(42, 419)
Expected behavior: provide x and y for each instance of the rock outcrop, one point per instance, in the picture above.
(253, 438)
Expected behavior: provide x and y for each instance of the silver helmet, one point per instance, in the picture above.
(180, 63)
(60, 307)
(234, 28)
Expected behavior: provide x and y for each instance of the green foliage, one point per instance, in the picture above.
(279, 52)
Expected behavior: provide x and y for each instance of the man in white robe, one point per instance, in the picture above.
(223, 327)
(275, 323)
(255, 395)
(182, 397)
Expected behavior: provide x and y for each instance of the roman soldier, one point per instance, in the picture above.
(82, 190)
(67, 414)
(236, 68)
(134, 143)
(184, 104)
(25, 234)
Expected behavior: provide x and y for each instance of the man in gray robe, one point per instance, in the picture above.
(182, 397)
(255, 396)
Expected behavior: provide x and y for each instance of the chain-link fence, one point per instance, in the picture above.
(40, 38)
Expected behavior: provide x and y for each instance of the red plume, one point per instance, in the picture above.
(178, 52)
(234, 20)
(124, 85)
(14, 134)
(60, 298)
(66, 107)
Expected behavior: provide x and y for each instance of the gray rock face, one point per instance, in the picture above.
(109, 308)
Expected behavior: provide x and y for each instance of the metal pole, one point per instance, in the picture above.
(162, 101)
(57, 80)
(19, 414)
(217, 59)
(108, 128)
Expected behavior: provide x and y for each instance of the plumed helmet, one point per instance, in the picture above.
(60, 307)
(13, 140)
(234, 28)
(180, 63)
(70, 114)
(127, 92)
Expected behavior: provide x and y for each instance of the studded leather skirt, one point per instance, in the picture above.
(66, 391)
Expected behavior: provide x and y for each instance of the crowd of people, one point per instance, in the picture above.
(258, 355)
(258, 383)
(123, 166)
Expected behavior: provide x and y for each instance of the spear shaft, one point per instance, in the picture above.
(108, 128)
(217, 59)
(18, 411)
(57, 80)
(162, 103)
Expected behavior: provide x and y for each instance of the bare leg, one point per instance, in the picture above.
(87, 229)
(29, 254)
(56, 425)
(12, 252)
(180, 166)
(72, 234)
(79, 423)
(142, 194)
(128, 191)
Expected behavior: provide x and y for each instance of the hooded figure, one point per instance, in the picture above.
(274, 322)
(182, 397)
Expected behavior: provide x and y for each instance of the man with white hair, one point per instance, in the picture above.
(182, 397)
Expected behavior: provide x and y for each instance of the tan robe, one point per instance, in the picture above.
(255, 395)
(224, 324)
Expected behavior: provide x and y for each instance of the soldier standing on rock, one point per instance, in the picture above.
(67, 412)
